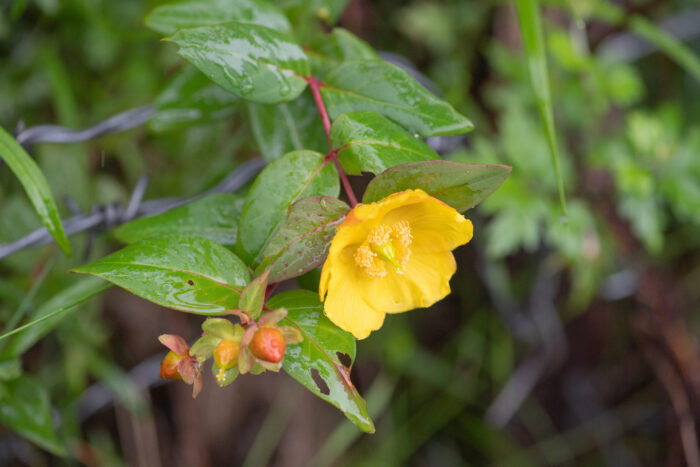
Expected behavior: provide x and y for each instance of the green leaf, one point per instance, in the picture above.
(36, 186)
(50, 314)
(368, 142)
(253, 296)
(322, 362)
(314, 11)
(190, 98)
(340, 45)
(295, 175)
(387, 89)
(253, 62)
(462, 186)
(190, 274)
(302, 242)
(281, 128)
(533, 40)
(167, 19)
(214, 217)
(25, 409)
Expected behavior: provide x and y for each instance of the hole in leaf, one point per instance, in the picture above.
(320, 382)
(190, 281)
(344, 359)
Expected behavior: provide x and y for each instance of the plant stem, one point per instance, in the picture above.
(315, 85)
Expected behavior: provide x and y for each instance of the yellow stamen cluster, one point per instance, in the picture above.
(385, 244)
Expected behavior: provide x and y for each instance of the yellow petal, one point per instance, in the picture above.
(344, 304)
(427, 214)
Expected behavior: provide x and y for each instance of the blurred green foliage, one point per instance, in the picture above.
(629, 144)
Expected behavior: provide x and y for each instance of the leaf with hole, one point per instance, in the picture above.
(384, 88)
(214, 217)
(322, 362)
(369, 142)
(250, 61)
(462, 186)
(302, 242)
(295, 175)
(190, 98)
(190, 274)
(168, 18)
(35, 185)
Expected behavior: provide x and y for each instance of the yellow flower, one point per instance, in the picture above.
(391, 256)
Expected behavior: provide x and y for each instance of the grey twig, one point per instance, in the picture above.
(58, 134)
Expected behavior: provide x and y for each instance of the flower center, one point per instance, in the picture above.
(385, 244)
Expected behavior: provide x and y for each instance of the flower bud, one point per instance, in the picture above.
(169, 366)
(268, 344)
(226, 354)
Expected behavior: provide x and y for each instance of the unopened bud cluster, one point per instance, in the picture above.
(235, 349)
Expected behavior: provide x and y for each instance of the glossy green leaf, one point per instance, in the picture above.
(302, 242)
(214, 217)
(167, 19)
(384, 88)
(25, 409)
(50, 314)
(533, 41)
(35, 185)
(190, 98)
(340, 45)
(251, 61)
(281, 128)
(322, 362)
(368, 142)
(253, 296)
(462, 186)
(190, 274)
(295, 175)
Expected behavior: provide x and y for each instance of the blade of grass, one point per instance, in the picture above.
(27, 300)
(35, 185)
(533, 41)
(51, 313)
(665, 42)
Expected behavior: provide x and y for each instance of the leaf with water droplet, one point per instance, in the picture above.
(250, 61)
(295, 175)
(384, 88)
(462, 186)
(214, 217)
(190, 274)
(309, 225)
(168, 18)
(369, 142)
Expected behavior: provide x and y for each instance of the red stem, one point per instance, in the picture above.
(315, 86)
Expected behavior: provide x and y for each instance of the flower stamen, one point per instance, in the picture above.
(385, 244)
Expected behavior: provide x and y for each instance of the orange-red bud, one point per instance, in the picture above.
(226, 354)
(268, 344)
(169, 366)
